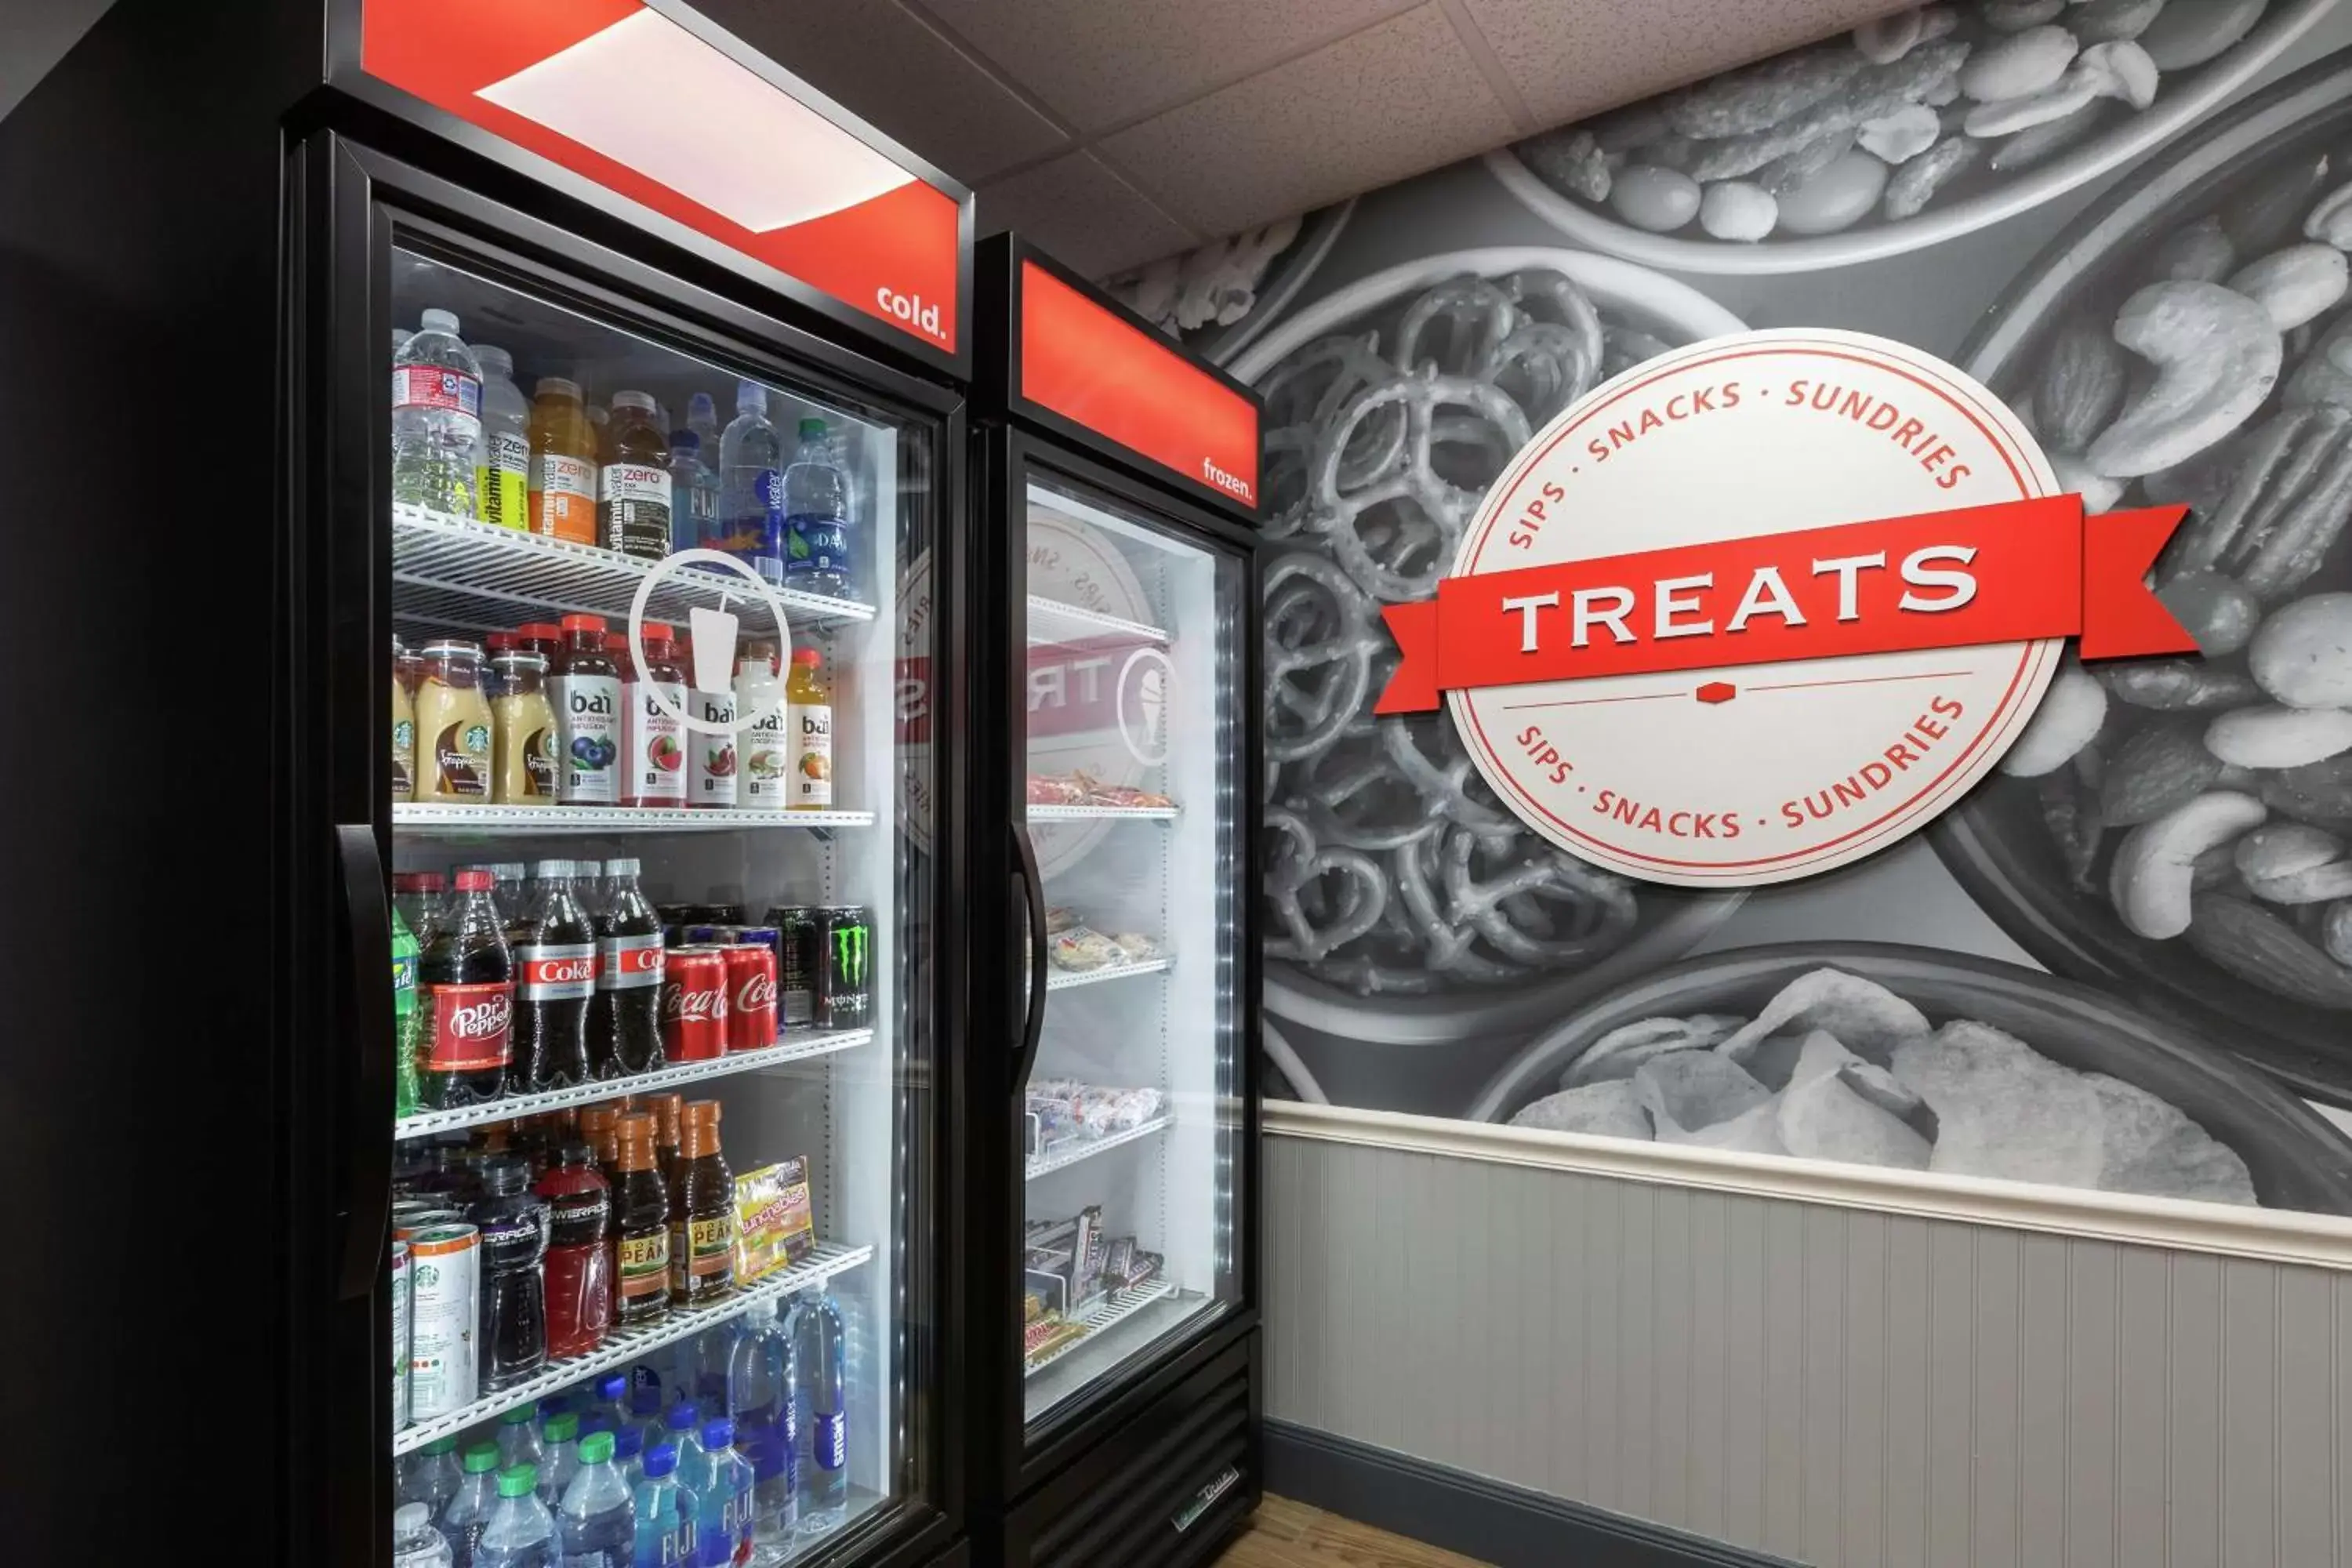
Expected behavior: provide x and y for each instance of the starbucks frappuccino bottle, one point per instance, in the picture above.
(453, 725)
(523, 771)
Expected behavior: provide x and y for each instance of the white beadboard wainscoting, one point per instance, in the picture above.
(1831, 1368)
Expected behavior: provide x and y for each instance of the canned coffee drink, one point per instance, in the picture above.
(844, 981)
(797, 959)
(402, 1294)
(444, 1270)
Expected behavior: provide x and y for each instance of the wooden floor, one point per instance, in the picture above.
(1285, 1534)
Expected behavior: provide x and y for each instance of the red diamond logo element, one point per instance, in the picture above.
(1717, 691)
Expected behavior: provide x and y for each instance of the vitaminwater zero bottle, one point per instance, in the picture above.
(436, 419)
(503, 457)
(817, 516)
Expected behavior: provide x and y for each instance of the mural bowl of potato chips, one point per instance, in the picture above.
(1905, 133)
(1910, 1058)
(2181, 829)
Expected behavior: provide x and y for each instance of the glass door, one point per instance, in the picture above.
(1133, 755)
(663, 1149)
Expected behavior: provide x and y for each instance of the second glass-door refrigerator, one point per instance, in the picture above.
(1114, 1004)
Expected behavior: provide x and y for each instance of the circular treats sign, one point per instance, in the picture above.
(1766, 606)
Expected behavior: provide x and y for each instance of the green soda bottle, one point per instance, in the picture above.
(406, 1020)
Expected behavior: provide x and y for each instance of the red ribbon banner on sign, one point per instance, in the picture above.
(2017, 572)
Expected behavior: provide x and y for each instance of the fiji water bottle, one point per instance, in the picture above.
(760, 1381)
(722, 1486)
(750, 486)
(666, 1512)
(694, 493)
(816, 517)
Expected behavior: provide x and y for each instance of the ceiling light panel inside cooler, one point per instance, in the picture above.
(646, 93)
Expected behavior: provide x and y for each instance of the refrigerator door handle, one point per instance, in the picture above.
(367, 927)
(1033, 1024)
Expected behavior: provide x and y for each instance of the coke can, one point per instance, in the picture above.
(845, 978)
(694, 1004)
(796, 926)
(402, 1296)
(444, 1270)
(751, 996)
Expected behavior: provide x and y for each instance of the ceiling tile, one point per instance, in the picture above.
(1085, 215)
(1387, 102)
(1572, 57)
(895, 71)
(1101, 62)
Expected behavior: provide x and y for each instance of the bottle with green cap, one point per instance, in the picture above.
(562, 1462)
(462, 1521)
(430, 1476)
(518, 1441)
(594, 1523)
(520, 1533)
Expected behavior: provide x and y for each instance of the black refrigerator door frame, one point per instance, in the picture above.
(345, 202)
(1005, 457)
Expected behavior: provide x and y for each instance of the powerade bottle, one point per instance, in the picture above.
(666, 1512)
(816, 517)
(751, 487)
(406, 1020)
(469, 1512)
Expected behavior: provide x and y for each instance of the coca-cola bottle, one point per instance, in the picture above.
(466, 986)
(555, 966)
(625, 1021)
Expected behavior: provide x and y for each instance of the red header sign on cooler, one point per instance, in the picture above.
(1762, 606)
(1097, 369)
(622, 96)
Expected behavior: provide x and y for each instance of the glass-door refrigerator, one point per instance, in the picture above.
(572, 785)
(1116, 1003)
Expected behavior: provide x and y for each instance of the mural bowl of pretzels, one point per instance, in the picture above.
(1404, 904)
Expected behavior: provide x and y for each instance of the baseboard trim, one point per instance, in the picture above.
(1491, 1521)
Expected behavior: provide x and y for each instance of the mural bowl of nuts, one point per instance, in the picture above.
(1914, 1058)
(1905, 133)
(1403, 905)
(2181, 829)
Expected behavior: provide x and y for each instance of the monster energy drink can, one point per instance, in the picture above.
(844, 979)
(799, 937)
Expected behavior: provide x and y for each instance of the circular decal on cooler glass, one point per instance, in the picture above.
(711, 636)
(1080, 709)
(1759, 772)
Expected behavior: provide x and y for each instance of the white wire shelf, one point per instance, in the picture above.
(1052, 621)
(1107, 1313)
(540, 820)
(1063, 980)
(624, 1345)
(796, 1046)
(1071, 1153)
(454, 572)
(1101, 813)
